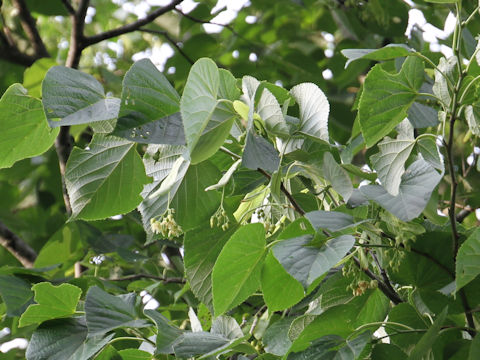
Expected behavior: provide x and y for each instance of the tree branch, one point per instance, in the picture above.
(91, 40)
(76, 37)
(68, 6)
(30, 28)
(170, 40)
(11, 53)
(17, 247)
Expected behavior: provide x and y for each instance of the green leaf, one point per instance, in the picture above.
(440, 88)
(376, 307)
(422, 116)
(227, 327)
(71, 97)
(389, 52)
(416, 187)
(33, 76)
(383, 351)
(474, 349)
(259, 153)
(280, 289)
(276, 338)
(307, 263)
(202, 247)
(16, 294)
(105, 312)
(24, 132)
(99, 179)
(271, 113)
(427, 146)
(330, 220)
(407, 315)
(134, 354)
(199, 100)
(389, 162)
(149, 109)
(314, 110)
(386, 98)
(193, 205)
(442, 1)
(53, 302)
(236, 274)
(337, 176)
(167, 334)
(472, 114)
(467, 265)
(64, 339)
(425, 344)
(228, 86)
(197, 343)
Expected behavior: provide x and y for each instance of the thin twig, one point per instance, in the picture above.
(17, 247)
(77, 38)
(30, 28)
(384, 274)
(132, 26)
(68, 7)
(170, 40)
(148, 276)
(200, 21)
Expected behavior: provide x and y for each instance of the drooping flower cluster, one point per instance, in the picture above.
(166, 225)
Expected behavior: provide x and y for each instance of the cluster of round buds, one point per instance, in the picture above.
(220, 219)
(166, 226)
(363, 286)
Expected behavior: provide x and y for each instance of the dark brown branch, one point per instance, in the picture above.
(91, 40)
(200, 21)
(76, 37)
(289, 196)
(388, 291)
(149, 276)
(384, 274)
(30, 28)
(63, 146)
(12, 54)
(171, 41)
(17, 247)
(68, 6)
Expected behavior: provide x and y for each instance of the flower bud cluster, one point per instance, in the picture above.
(220, 219)
(166, 226)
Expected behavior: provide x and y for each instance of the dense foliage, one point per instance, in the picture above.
(238, 205)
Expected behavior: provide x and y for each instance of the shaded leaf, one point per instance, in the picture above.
(271, 113)
(259, 153)
(167, 334)
(422, 116)
(16, 294)
(425, 344)
(330, 220)
(337, 176)
(389, 52)
(467, 265)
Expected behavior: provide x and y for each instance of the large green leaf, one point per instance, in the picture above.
(386, 98)
(314, 110)
(259, 153)
(271, 113)
(64, 339)
(198, 343)
(390, 162)
(236, 274)
(105, 312)
(149, 109)
(425, 344)
(276, 338)
(16, 294)
(99, 179)
(71, 97)
(24, 131)
(389, 52)
(280, 289)
(422, 116)
(329, 220)
(199, 101)
(384, 351)
(52, 302)
(417, 184)
(202, 247)
(305, 262)
(467, 265)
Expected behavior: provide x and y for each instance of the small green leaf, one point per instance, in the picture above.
(389, 52)
(337, 176)
(99, 179)
(307, 263)
(24, 131)
(386, 98)
(105, 312)
(314, 110)
(236, 274)
(53, 302)
(468, 260)
(33, 76)
(71, 97)
(427, 146)
(440, 88)
(134, 354)
(472, 114)
(259, 154)
(276, 338)
(271, 113)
